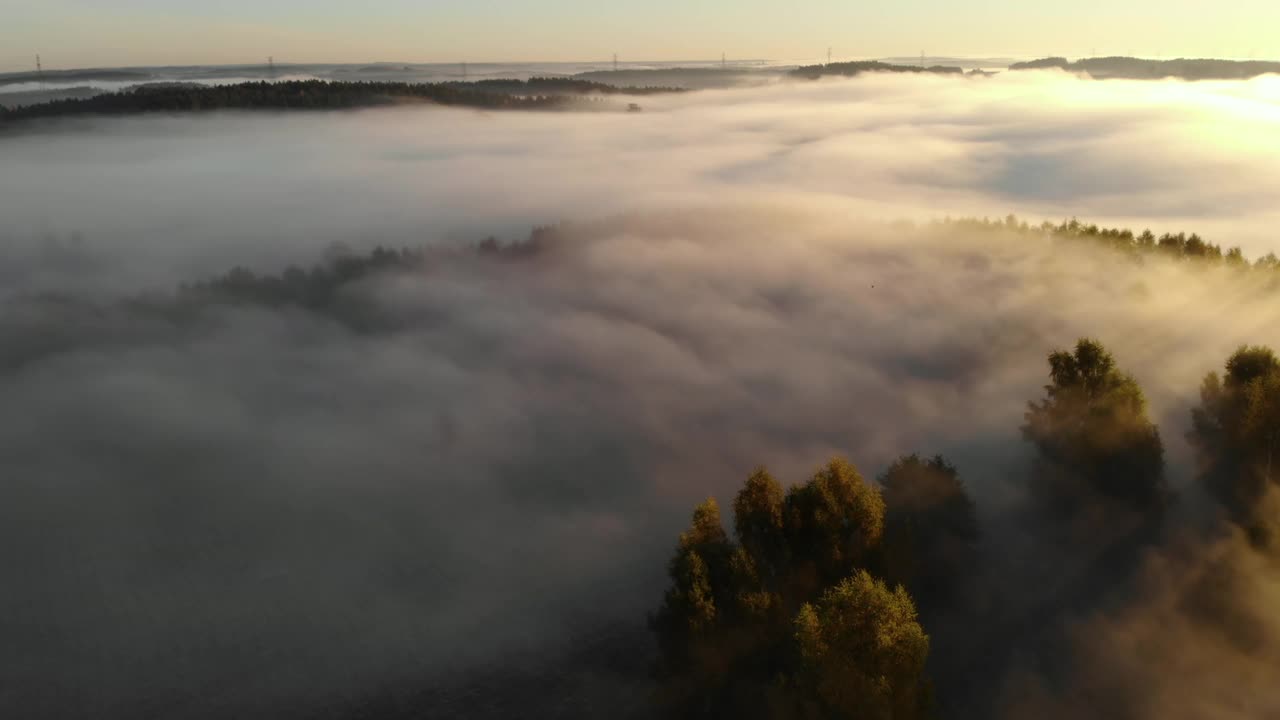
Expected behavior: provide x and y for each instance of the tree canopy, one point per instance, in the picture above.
(862, 653)
(1234, 431)
(784, 620)
(858, 67)
(931, 528)
(1093, 434)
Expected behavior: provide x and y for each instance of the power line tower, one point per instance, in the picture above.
(724, 63)
(828, 56)
(464, 71)
(271, 65)
(615, 62)
(39, 71)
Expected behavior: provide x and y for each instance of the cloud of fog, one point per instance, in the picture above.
(192, 190)
(267, 511)
(1200, 640)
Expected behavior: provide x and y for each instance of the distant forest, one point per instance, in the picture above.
(323, 288)
(319, 287)
(562, 86)
(850, 69)
(1142, 69)
(533, 94)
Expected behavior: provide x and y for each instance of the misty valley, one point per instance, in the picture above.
(850, 390)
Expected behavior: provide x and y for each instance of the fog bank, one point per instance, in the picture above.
(260, 511)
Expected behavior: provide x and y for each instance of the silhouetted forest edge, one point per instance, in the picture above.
(313, 288)
(532, 94)
(1131, 68)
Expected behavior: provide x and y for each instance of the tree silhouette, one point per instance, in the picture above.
(931, 529)
(1235, 431)
(533, 94)
(1093, 434)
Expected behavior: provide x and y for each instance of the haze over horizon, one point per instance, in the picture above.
(78, 33)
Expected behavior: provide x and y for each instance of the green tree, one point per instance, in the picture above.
(1093, 434)
(1235, 430)
(832, 523)
(689, 625)
(726, 626)
(862, 654)
(758, 513)
(931, 529)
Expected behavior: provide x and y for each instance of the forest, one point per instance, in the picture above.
(318, 288)
(822, 601)
(563, 86)
(855, 68)
(532, 94)
(1131, 68)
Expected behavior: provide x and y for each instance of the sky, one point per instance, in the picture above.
(90, 33)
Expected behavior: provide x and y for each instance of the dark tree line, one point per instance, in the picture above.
(1135, 246)
(1143, 69)
(321, 287)
(538, 94)
(564, 86)
(852, 69)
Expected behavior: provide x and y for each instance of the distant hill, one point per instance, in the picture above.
(68, 76)
(536, 94)
(966, 63)
(563, 86)
(1141, 69)
(850, 69)
(35, 97)
(688, 78)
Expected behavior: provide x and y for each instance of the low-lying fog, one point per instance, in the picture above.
(280, 514)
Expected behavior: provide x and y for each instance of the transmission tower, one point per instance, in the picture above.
(39, 70)
(724, 64)
(828, 56)
(615, 62)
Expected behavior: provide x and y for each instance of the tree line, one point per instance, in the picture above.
(564, 86)
(319, 287)
(534, 94)
(854, 68)
(1136, 246)
(1144, 69)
